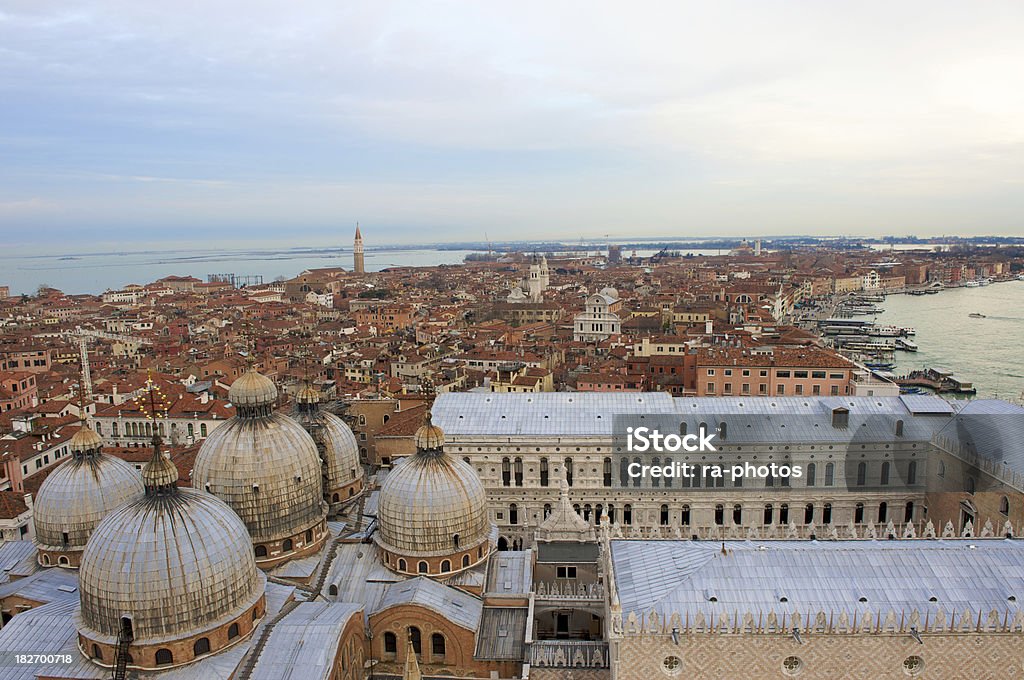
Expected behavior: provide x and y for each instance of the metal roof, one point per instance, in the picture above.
(303, 643)
(510, 573)
(502, 634)
(810, 576)
(459, 607)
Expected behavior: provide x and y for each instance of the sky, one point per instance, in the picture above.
(135, 122)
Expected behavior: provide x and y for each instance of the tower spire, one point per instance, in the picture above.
(358, 264)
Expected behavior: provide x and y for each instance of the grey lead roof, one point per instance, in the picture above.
(502, 634)
(683, 576)
(457, 606)
(303, 643)
(594, 414)
(510, 573)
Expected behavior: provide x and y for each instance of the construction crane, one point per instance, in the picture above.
(84, 335)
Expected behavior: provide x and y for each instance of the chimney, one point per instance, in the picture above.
(28, 501)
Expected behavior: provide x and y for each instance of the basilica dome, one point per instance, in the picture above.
(266, 467)
(174, 566)
(432, 510)
(77, 495)
(337, 445)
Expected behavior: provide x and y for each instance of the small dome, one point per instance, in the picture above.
(336, 443)
(429, 437)
(178, 564)
(429, 499)
(252, 389)
(85, 439)
(77, 495)
(308, 395)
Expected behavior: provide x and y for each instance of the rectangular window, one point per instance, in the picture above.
(728, 388)
(764, 374)
(782, 374)
(566, 572)
(711, 388)
(746, 372)
(818, 375)
(746, 388)
(836, 376)
(762, 388)
(728, 371)
(799, 389)
(780, 389)
(800, 374)
(711, 371)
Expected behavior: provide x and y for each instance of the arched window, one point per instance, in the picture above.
(261, 551)
(808, 513)
(912, 472)
(830, 474)
(769, 514)
(506, 472)
(664, 515)
(164, 657)
(422, 567)
(858, 513)
(721, 431)
(624, 471)
(390, 643)
(719, 514)
(446, 566)
(402, 566)
(862, 473)
(547, 510)
(737, 514)
(884, 480)
(63, 561)
(668, 480)
(333, 590)
(883, 511)
(611, 514)
(655, 481)
(455, 541)
(783, 514)
(811, 469)
(627, 514)
(202, 429)
(465, 561)
(414, 636)
(568, 471)
(702, 429)
(309, 535)
(519, 471)
(598, 509)
(684, 516)
(336, 498)
(513, 514)
(826, 513)
(232, 631)
(908, 512)
(544, 472)
(287, 545)
(607, 477)
(362, 420)
(201, 646)
(1004, 506)
(437, 645)
(636, 480)
(899, 428)
(586, 511)
(682, 429)
(191, 430)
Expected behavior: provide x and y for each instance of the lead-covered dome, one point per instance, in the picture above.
(433, 506)
(173, 566)
(266, 467)
(77, 495)
(337, 445)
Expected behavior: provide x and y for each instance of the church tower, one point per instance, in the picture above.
(357, 253)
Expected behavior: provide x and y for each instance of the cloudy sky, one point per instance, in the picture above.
(138, 121)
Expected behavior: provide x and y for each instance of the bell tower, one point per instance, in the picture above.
(358, 265)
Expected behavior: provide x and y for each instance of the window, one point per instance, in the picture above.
(808, 513)
(1004, 506)
(664, 515)
(287, 545)
(390, 643)
(818, 375)
(811, 469)
(465, 561)
(783, 514)
(565, 572)
(519, 471)
(201, 646)
(800, 374)
(830, 474)
(769, 513)
(737, 514)
(607, 472)
(568, 471)
(719, 514)
(544, 472)
(513, 514)
(437, 645)
(232, 631)
(826, 513)
(862, 473)
(422, 567)
(912, 472)
(782, 374)
(446, 566)
(402, 566)
(908, 512)
(506, 472)
(684, 516)
(164, 657)
(885, 473)
(627, 514)
(261, 551)
(858, 513)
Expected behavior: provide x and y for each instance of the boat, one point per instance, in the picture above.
(932, 291)
(911, 390)
(919, 292)
(906, 345)
(972, 284)
(976, 315)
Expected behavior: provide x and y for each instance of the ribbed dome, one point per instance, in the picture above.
(177, 563)
(252, 389)
(85, 439)
(276, 455)
(429, 436)
(337, 443)
(426, 501)
(78, 494)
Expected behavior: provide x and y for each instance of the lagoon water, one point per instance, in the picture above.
(989, 352)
